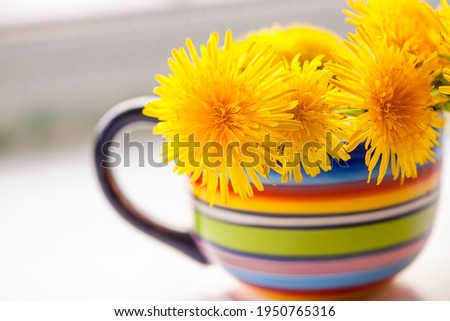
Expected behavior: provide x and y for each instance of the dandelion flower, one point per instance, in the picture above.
(393, 88)
(308, 41)
(222, 100)
(401, 21)
(321, 126)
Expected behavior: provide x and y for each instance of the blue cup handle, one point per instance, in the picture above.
(124, 114)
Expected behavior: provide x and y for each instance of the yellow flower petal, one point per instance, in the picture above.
(216, 96)
(393, 90)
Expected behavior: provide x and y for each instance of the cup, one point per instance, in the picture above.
(333, 236)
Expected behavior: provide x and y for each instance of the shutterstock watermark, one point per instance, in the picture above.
(213, 154)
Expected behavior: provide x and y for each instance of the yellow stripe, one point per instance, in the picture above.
(361, 203)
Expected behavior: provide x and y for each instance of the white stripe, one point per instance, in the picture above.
(231, 216)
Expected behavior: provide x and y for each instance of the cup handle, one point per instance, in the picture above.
(123, 114)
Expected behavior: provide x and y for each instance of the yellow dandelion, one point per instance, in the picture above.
(321, 126)
(401, 21)
(393, 89)
(308, 41)
(221, 101)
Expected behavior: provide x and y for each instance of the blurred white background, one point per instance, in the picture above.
(62, 65)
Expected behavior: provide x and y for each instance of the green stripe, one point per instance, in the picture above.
(293, 242)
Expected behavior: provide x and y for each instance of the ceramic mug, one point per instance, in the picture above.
(333, 236)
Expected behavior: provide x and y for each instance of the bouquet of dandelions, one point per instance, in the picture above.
(291, 100)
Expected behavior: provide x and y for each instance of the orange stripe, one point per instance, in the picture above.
(355, 189)
(257, 292)
(374, 197)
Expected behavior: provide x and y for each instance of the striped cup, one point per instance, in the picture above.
(333, 236)
(329, 237)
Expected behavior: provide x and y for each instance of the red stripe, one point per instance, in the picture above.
(330, 191)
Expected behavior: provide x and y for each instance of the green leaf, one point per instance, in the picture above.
(443, 55)
(351, 112)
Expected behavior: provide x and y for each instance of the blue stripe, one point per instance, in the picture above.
(319, 282)
(354, 170)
